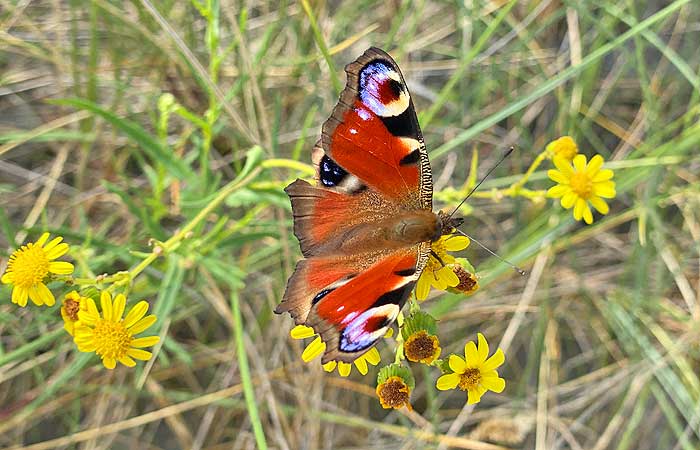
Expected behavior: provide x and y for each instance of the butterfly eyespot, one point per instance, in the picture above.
(331, 174)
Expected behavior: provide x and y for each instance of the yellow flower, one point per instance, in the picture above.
(422, 347)
(394, 393)
(317, 347)
(436, 272)
(475, 374)
(110, 336)
(30, 265)
(564, 147)
(580, 184)
(73, 303)
(468, 282)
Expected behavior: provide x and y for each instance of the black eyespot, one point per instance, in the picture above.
(331, 174)
(396, 87)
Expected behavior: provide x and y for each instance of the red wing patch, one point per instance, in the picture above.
(352, 316)
(364, 147)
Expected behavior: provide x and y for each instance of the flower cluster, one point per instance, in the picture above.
(108, 334)
(580, 183)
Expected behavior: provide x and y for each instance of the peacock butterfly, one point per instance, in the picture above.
(366, 228)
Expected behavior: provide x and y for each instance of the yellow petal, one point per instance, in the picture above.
(599, 204)
(313, 350)
(118, 307)
(136, 313)
(423, 286)
(482, 348)
(471, 353)
(594, 165)
(557, 177)
(136, 353)
(578, 208)
(494, 384)
(446, 277)
(46, 295)
(142, 324)
(109, 363)
(127, 361)
(587, 215)
(455, 243)
(603, 175)
(34, 296)
(42, 240)
(54, 242)
(564, 166)
(473, 397)
(19, 296)
(61, 267)
(447, 381)
(558, 191)
(568, 200)
(147, 341)
(361, 365)
(330, 366)
(457, 364)
(373, 357)
(580, 163)
(605, 189)
(58, 251)
(106, 305)
(86, 347)
(344, 368)
(6, 278)
(302, 332)
(494, 361)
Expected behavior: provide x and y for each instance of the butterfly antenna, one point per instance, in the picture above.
(513, 266)
(505, 155)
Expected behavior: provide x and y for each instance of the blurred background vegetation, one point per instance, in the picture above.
(120, 121)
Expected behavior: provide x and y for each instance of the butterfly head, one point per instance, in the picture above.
(446, 225)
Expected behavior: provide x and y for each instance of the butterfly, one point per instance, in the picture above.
(365, 229)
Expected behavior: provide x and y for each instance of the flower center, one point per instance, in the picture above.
(393, 393)
(469, 380)
(421, 347)
(71, 307)
(29, 266)
(581, 184)
(112, 339)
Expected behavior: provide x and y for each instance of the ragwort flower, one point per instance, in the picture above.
(437, 273)
(580, 184)
(394, 385)
(564, 147)
(73, 303)
(110, 336)
(468, 282)
(476, 374)
(421, 344)
(317, 347)
(29, 267)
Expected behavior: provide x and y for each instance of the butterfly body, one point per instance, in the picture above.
(365, 229)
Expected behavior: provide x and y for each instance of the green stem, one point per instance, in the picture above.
(244, 370)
